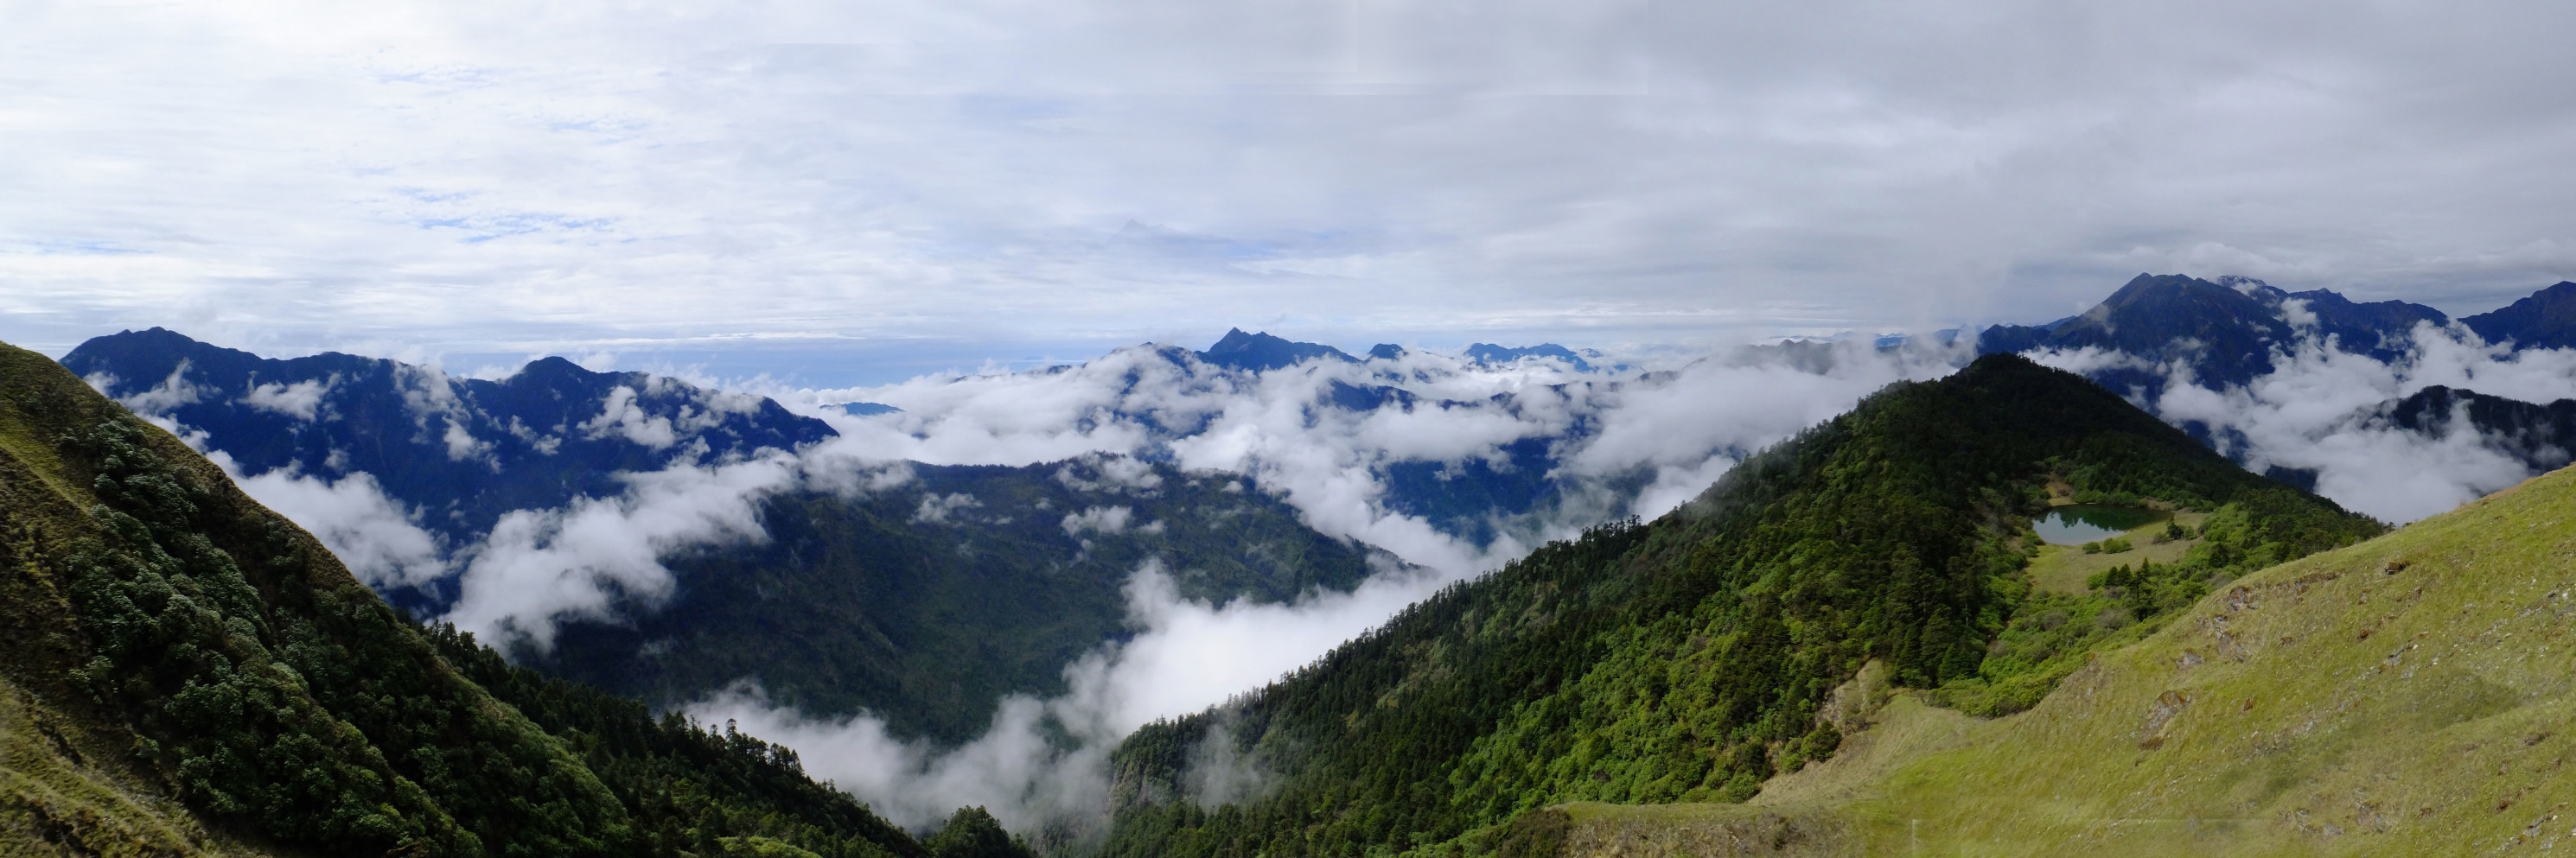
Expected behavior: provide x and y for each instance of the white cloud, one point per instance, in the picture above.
(937, 508)
(1680, 427)
(2316, 409)
(621, 416)
(589, 560)
(157, 401)
(379, 539)
(1116, 473)
(298, 400)
(465, 176)
(1186, 656)
(461, 444)
(1104, 519)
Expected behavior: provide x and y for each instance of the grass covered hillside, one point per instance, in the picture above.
(2410, 695)
(1688, 659)
(187, 672)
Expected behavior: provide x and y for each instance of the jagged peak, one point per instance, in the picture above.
(1255, 352)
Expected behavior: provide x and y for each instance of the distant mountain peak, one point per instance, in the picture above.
(2253, 288)
(2227, 329)
(1488, 354)
(1261, 351)
(2545, 319)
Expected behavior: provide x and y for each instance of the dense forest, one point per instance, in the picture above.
(283, 703)
(865, 603)
(1685, 659)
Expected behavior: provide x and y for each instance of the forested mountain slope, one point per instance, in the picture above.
(927, 603)
(188, 672)
(1686, 659)
(924, 599)
(2410, 695)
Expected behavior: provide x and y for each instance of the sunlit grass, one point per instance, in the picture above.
(2323, 706)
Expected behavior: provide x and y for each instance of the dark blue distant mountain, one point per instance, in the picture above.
(2540, 436)
(2380, 329)
(867, 409)
(924, 602)
(1258, 352)
(1385, 351)
(2546, 320)
(2226, 331)
(461, 450)
(1488, 354)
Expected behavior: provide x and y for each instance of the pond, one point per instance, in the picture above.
(2082, 523)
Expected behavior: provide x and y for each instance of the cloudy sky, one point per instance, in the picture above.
(858, 192)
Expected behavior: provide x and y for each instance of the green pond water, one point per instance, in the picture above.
(2082, 523)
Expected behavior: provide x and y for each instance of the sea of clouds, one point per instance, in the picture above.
(1044, 761)
(1630, 442)
(1670, 432)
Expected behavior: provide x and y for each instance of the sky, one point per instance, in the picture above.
(862, 192)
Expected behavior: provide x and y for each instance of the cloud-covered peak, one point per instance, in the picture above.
(1257, 352)
(1488, 354)
(458, 453)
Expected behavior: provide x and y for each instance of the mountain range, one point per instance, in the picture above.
(877, 610)
(924, 598)
(1687, 659)
(188, 673)
(1750, 661)
(2234, 332)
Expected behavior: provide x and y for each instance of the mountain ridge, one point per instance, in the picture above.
(2544, 319)
(228, 674)
(830, 606)
(1684, 659)
(2402, 696)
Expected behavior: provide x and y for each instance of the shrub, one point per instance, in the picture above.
(2113, 618)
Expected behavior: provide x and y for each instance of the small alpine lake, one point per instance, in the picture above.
(2082, 523)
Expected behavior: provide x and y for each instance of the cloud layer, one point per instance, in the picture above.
(901, 182)
(2317, 410)
(1042, 763)
(1637, 440)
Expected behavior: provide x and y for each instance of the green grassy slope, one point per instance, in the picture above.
(191, 662)
(1687, 659)
(2410, 695)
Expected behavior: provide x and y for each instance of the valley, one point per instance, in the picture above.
(1858, 640)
